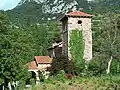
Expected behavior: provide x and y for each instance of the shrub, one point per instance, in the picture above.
(32, 82)
(58, 65)
(76, 68)
(96, 67)
(21, 85)
(41, 76)
(1, 81)
(61, 76)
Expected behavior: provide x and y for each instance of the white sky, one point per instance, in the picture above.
(8, 4)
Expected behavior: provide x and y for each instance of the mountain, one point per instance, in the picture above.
(104, 6)
(58, 6)
(39, 11)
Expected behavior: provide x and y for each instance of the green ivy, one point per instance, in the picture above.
(77, 48)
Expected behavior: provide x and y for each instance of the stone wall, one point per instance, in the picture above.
(65, 37)
(85, 26)
(43, 67)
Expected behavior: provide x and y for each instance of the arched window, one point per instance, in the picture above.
(79, 22)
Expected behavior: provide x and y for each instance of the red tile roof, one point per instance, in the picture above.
(78, 13)
(43, 59)
(32, 65)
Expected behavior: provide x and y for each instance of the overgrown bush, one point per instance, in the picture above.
(32, 81)
(41, 76)
(61, 76)
(115, 67)
(58, 65)
(1, 80)
(21, 85)
(93, 68)
(98, 67)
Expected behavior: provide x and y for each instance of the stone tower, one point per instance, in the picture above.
(80, 21)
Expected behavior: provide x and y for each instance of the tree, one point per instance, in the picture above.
(104, 6)
(107, 39)
(44, 35)
(3, 31)
(16, 49)
(4, 22)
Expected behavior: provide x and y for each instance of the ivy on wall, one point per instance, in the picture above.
(77, 48)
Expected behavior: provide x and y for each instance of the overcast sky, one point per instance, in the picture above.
(8, 4)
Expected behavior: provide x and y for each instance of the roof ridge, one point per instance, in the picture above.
(78, 13)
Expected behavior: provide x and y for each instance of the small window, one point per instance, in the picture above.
(79, 22)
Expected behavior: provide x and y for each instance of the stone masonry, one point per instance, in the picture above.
(81, 21)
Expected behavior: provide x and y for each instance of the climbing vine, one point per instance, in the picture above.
(77, 47)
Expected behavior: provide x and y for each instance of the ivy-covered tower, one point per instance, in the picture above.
(81, 21)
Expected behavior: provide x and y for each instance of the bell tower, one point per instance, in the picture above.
(81, 21)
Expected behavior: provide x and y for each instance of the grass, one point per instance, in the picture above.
(81, 83)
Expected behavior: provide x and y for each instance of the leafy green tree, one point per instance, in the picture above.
(104, 6)
(4, 22)
(16, 50)
(3, 30)
(106, 41)
(44, 35)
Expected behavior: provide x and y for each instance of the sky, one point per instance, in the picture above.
(8, 4)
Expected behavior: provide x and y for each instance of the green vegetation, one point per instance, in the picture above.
(77, 49)
(77, 46)
(60, 82)
(105, 42)
(32, 12)
(24, 35)
(16, 49)
(18, 46)
(104, 6)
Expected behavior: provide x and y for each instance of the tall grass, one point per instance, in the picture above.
(81, 83)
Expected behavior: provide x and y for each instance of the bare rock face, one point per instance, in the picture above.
(40, 11)
(57, 6)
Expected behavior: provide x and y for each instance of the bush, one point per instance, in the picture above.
(76, 68)
(96, 67)
(115, 67)
(21, 85)
(61, 76)
(58, 65)
(41, 76)
(32, 82)
(1, 81)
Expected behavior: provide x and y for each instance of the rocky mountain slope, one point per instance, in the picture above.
(58, 6)
(39, 11)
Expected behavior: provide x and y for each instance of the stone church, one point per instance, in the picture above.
(76, 20)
